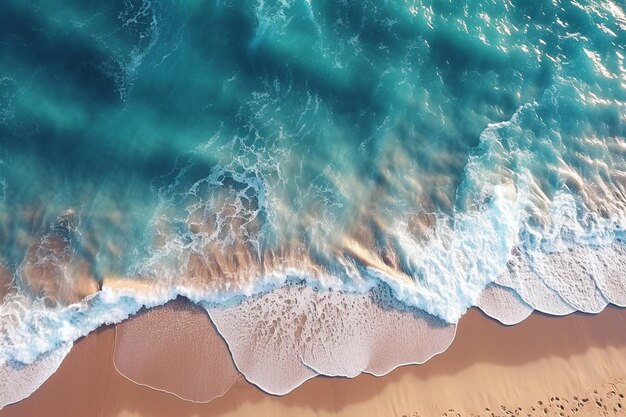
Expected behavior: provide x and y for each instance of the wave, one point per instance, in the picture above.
(321, 179)
(556, 255)
(19, 380)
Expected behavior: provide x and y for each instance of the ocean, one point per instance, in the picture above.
(301, 168)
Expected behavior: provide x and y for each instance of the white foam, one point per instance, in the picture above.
(280, 339)
(456, 264)
(610, 265)
(29, 328)
(532, 289)
(567, 274)
(349, 334)
(262, 334)
(18, 381)
(503, 304)
(551, 266)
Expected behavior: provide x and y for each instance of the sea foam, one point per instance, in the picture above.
(18, 381)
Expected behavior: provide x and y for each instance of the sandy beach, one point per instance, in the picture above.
(342, 208)
(554, 366)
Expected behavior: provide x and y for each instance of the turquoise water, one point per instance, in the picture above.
(221, 149)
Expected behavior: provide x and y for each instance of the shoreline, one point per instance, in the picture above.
(545, 365)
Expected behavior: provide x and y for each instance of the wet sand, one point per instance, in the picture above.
(181, 339)
(554, 366)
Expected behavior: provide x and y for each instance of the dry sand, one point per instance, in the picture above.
(555, 366)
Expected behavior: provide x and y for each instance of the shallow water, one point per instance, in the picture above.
(220, 150)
